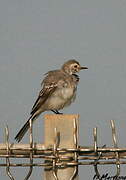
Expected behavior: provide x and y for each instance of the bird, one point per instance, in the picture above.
(58, 90)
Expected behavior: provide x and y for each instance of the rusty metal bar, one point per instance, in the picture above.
(107, 152)
(40, 149)
(62, 164)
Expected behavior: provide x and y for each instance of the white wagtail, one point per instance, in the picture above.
(58, 91)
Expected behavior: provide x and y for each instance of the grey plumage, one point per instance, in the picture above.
(58, 91)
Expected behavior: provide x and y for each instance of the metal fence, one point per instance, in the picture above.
(55, 157)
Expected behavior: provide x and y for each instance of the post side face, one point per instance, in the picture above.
(67, 126)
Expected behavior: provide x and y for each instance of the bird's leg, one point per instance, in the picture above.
(56, 112)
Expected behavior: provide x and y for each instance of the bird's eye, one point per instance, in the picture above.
(75, 66)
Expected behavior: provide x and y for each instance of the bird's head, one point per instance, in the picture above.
(72, 67)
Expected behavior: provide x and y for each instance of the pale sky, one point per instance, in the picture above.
(37, 36)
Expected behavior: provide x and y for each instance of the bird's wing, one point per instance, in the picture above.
(43, 96)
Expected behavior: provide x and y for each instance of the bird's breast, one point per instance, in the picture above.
(61, 98)
(67, 93)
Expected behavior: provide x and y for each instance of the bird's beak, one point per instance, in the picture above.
(83, 67)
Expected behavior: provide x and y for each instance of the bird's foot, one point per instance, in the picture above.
(56, 112)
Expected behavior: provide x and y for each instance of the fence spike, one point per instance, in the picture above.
(8, 152)
(31, 150)
(114, 138)
(95, 150)
(55, 152)
(75, 153)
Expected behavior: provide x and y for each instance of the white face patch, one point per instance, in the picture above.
(75, 68)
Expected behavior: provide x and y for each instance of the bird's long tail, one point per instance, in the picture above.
(24, 129)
